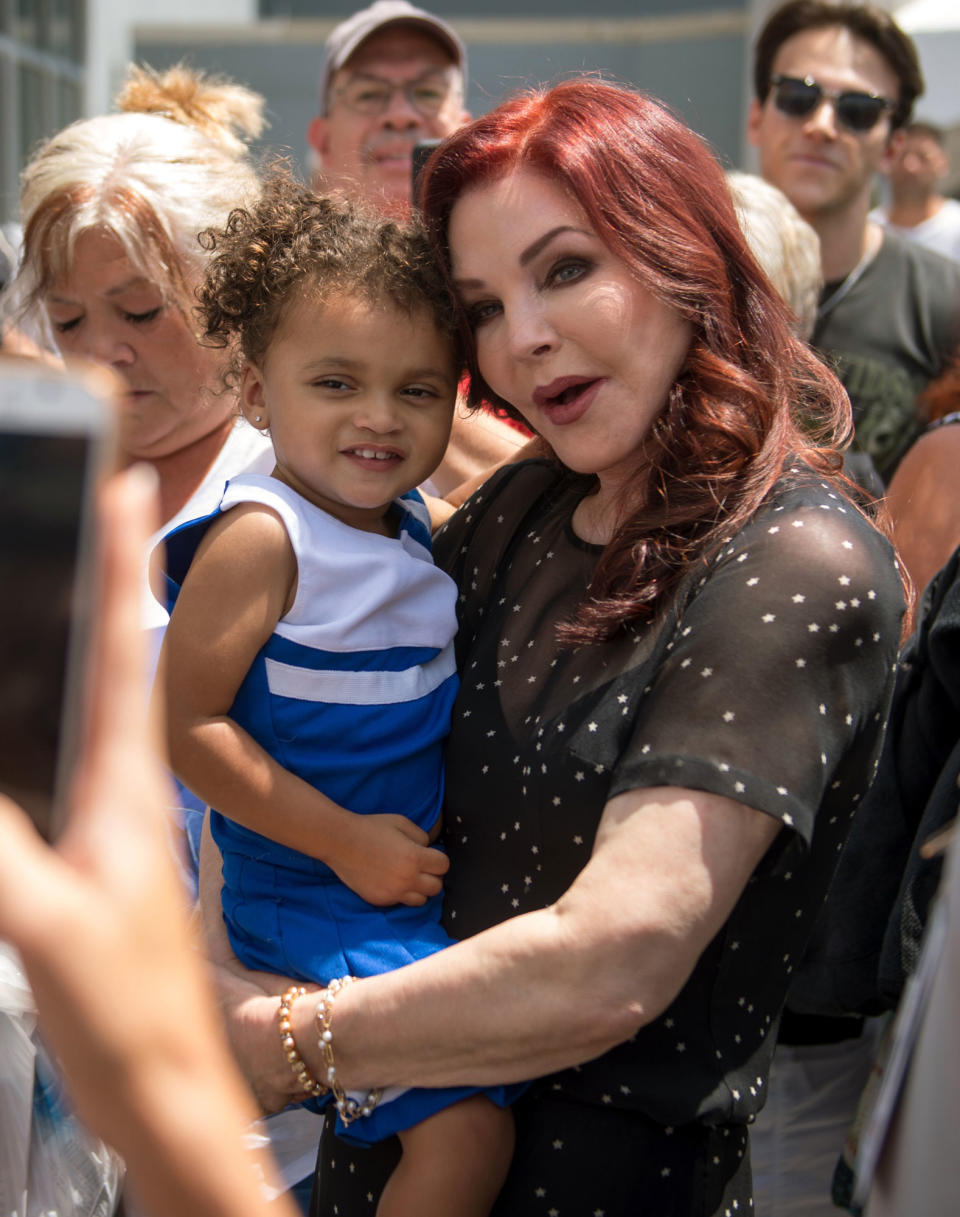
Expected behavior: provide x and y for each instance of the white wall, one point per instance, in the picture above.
(110, 41)
(935, 28)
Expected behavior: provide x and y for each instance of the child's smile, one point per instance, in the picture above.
(358, 397)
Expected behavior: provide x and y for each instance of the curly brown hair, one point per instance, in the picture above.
(291, 241)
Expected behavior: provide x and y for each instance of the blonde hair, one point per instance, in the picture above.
(174, 161)
(782, 241)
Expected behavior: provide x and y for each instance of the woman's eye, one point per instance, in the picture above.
(64, 327)
(483, 310)
(420, 392)
(567, 272)
(142, 318)
(333, 383)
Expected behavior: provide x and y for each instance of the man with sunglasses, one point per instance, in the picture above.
(392, 75)
(835, 82)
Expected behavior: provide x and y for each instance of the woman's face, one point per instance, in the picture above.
(106, 311)
(564, 331)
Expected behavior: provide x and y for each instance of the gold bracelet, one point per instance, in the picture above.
(303, 1075)
(350, 1109)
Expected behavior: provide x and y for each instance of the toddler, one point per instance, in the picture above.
(308, 665)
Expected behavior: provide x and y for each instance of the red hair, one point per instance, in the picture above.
(749, 397)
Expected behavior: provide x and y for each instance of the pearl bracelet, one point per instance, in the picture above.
(303, 1075)
(350, 1109)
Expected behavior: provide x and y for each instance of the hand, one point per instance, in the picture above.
(111, 870)
(104, 934)
(387, 860)
(251, 1022)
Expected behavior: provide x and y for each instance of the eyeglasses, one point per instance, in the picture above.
(798, 97)
(372, 96)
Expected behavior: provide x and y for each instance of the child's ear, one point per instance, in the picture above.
(253, 402)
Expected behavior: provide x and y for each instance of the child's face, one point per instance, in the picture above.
(359, 400)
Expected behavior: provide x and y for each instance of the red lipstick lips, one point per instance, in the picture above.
(567, 398)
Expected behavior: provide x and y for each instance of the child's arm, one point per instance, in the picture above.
(240, 584)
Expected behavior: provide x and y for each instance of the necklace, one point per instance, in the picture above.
(847, 284)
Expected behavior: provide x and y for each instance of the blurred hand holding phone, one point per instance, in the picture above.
(56, 442)
(422, 152)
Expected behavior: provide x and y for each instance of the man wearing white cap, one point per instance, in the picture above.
(392, 75)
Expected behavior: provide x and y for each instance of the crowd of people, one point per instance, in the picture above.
(537, 760)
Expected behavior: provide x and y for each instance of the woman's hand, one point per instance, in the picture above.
(251, 1020)
(105, 939)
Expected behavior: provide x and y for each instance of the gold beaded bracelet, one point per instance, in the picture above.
(303, 1075)
(350, 1109)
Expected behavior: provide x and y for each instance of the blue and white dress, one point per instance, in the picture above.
(353, 693)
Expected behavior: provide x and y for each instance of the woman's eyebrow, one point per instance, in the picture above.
(541, 243)
(527, 255)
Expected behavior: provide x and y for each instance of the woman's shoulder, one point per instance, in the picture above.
(945, 420)
(806, 509)
(808, 528)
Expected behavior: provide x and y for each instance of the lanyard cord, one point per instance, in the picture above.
(846, 285)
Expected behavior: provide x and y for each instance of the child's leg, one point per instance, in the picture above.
(453, 1163)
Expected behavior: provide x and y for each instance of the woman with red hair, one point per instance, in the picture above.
(677, 641)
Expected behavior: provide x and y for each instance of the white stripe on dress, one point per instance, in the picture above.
(360, 688)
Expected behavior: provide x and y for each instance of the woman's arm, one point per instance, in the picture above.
(479, 443)
(531, 449)
(442, 509)
(239, 586)
(924, 505)
(130, 1015)
(562, 985)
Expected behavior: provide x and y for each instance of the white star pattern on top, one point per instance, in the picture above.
(756, 676)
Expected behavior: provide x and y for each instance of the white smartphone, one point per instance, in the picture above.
(55, 442)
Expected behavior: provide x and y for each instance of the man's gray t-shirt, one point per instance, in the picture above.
(896, 329)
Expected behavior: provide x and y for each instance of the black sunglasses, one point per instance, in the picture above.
(799, 97)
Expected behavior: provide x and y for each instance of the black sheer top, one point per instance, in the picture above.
(767, 681)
